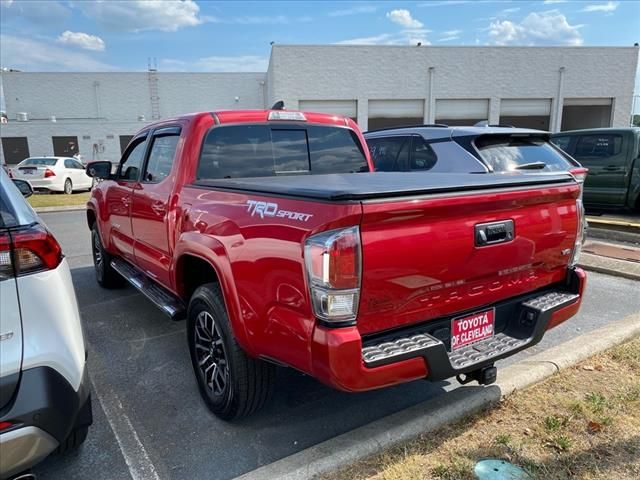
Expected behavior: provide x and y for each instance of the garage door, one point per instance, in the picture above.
(396, 108)
(526, 112)
(521, 107)
(578, 113)
(15, 149)
(395, 113)
(347, 108)
(462, 109)
(65, 146)
(584, 102)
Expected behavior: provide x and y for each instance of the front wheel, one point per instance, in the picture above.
(106, 275)
(68, 186)
(232, 384)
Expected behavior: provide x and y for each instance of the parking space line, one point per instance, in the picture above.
(135, 455)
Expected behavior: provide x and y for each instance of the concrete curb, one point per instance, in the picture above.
(610, 266)
(68, 208)
(445, 409)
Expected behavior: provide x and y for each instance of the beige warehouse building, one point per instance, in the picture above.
(550, 88)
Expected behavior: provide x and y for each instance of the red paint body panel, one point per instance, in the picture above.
(436, 268)
(419, 258)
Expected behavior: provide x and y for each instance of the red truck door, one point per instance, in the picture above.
(150, 213)
(119, 197)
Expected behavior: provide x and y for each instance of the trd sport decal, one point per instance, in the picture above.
(268, 209)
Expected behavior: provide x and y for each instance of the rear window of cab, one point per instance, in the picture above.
(266, 150)
(504, 153)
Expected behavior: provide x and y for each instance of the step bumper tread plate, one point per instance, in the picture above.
(444, 364)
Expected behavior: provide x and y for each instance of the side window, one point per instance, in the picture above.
(598, 146)
(422, 155)
(562, 142)
(69, 164)
(132, 162)
(390, 154)
(163, 151)
(78, 165)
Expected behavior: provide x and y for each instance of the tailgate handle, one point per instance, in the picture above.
(494, 232)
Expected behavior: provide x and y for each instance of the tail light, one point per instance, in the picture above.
(28, 250)
(580, 234)
(580, 174)
(49, 173)
(5, 425)
(333, 262)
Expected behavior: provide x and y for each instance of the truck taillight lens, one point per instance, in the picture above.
(333, 262)
(49, 173)
(28, 250)
(581, 233)
(580, 174)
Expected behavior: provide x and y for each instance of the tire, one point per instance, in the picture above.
(106, 276)
(68, 187)
(239, 385)
(73, 441)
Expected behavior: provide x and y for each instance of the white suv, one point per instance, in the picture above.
(45, 403)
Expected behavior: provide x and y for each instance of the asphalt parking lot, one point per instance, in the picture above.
(149, 420)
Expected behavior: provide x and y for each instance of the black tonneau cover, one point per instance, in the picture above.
(366, 186)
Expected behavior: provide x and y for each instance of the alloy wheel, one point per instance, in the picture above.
(210, 353)
(98, 258)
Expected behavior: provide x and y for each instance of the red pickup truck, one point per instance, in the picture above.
(269, 232)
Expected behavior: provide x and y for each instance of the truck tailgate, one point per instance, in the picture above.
(424, 257)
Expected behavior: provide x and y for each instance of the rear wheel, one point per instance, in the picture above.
(232, 384)
(106, 276)
(68, 186)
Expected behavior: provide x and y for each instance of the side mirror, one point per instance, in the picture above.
(100, 170)
(25, 187)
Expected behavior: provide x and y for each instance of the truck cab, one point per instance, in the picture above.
(612, 156)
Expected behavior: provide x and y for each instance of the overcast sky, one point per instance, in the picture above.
(189, 35)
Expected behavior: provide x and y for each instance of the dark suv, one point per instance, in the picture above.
(439, 148)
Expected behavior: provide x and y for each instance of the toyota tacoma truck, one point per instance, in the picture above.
(269, 232)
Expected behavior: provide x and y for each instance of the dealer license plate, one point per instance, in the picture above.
(472, 328)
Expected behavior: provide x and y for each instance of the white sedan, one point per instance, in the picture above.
(53, 174)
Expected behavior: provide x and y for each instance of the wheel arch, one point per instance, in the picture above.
(200, 259)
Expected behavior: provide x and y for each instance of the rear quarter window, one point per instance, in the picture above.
(598, 146)
(505, 153)
(265, 150)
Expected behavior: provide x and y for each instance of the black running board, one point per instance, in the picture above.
(160, 296)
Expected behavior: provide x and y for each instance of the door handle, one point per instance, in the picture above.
(159, 208)
(611, 168)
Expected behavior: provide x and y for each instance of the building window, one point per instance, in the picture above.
(65, 146)
(15, 149)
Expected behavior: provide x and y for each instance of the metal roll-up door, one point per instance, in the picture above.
(346, 108)
(525, 107)
(396, 108)
(462, 109)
